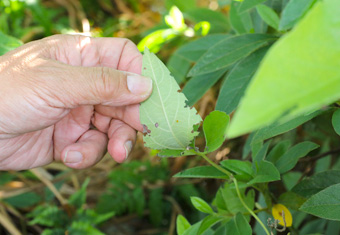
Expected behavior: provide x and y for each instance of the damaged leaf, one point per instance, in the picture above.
(167, 119)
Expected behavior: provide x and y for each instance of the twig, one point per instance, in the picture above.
(317, 157)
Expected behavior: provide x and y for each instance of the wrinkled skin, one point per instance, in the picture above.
(69, 93)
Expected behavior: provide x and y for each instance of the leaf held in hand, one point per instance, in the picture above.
(165, 115)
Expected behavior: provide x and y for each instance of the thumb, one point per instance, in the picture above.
(75, 86)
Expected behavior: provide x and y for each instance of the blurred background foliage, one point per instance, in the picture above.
(139, 196)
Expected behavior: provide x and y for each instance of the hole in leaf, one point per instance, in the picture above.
(156, 124)
(145, 130)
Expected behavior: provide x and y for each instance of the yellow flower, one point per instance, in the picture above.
(278, 210)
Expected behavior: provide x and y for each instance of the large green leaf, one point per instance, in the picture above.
(288, 160)
(317, 182)
(237, 81)
(215, 127)
(167, 120)
(294, 11)
(201, 172)
(325, 204)
(208, 222)
(297, 76)
(228, 51)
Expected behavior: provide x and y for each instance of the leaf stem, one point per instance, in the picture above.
(230, 175)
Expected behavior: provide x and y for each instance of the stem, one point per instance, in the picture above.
(215, 165)
(230, 175)
(248, 209)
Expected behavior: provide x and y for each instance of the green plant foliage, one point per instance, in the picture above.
(288, 160)
(201, 172)
(215, 127)
(285, 100)
(237, 81)
(266, 172)
(182, 224)
(228, 51)
(324, 204)
(201, 205)
(294, 10)
(268, 15)
(8, 43)
(317, 182)
(78, 199)
(218, 22)
(168, 122)
(208, 222)
(242, 170)
(238, 226)
(248, 4)
(336, 121)
(240, 21)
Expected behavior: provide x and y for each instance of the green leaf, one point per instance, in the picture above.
(175, 153)
(201, 172)
(181, 61)
(239, 226)
(79, 198)
(215, 127)
(277, 129)
(336, 121)
(286, 100)
(208, 222)
(199, 85)
(201, 205)
(294, 11)
(182, 224)
(278, 151)
(324, 204)
(237, 81)
(291, 200)
(292, 156)
(317, 182)
(268, 15)
(249, 4)
(165, 116)
(240, 21)
(8, 43)
(228, 51)
(290, 179)
(266, 172)
(228, 200)
(241, 169)
(83, 227)
(156, 39)
(55, 231)
(218, 21)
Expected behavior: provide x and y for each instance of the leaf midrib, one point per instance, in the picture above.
(162, 104)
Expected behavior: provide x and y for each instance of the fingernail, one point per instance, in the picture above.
(128, 147)
(139, 85)
(73, 157)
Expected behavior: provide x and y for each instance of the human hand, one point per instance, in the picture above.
(54, 89)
